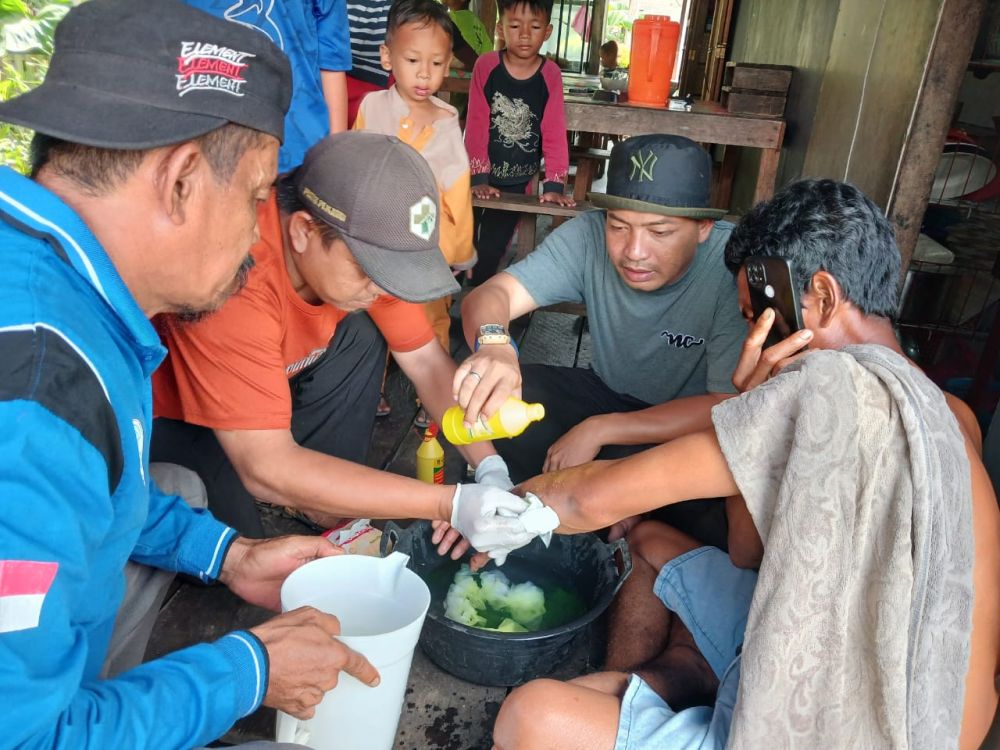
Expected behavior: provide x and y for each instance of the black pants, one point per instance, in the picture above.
(333, 412)
(571, 395)
(491, 232)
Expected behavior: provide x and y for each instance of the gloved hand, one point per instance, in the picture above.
(487, 517)
(493, 472)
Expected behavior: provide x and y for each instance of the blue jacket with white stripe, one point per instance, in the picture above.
(76, 355)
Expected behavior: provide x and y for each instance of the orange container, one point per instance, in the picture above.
(651, 59)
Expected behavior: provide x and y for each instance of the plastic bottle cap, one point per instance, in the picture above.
(431, 432)
(535, 412)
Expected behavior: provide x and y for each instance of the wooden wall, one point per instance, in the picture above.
(873, 77)
(785, 32)
(857, 100)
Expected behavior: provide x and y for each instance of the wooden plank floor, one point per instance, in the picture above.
(441, 712)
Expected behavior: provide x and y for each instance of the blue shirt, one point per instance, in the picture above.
(314, 35)
(76, 355)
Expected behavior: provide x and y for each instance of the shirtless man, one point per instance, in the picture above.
(846, 265)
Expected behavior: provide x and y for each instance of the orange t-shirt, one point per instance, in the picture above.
(230, 371)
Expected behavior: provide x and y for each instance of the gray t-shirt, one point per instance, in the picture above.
(683, 339)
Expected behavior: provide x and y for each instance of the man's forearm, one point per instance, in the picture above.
(487, 304)
(659, 423)
(431, 371)
(597, 494)
(313, 481)
(335, 94)
(436, 397)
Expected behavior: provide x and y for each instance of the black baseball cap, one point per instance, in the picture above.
(137, 74)
(381, 195)
(660, 174)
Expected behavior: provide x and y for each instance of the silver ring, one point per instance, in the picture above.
(473, 372)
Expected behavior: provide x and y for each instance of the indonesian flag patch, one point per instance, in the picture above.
(23, 587)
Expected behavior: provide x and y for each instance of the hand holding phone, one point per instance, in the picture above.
(772, 285)
(772, 342)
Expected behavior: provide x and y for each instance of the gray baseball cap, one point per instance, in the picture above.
(381, 195)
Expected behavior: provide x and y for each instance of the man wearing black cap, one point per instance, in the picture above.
(274, 396)
(157, 134)
(662, 311)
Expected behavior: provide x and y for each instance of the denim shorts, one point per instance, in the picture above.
(712, 598)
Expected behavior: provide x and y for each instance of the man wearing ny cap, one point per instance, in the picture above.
(157, 131)
(662, 312)
(273, 397)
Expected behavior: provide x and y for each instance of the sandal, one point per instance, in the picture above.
(383, 409)
(423, 419)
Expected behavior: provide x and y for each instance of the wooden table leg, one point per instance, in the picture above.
(724, 185)
(585, 169)
(767, 174)
(525, 236)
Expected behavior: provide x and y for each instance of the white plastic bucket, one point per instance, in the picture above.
(381, 607)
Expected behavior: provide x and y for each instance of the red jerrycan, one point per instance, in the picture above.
(651, 59)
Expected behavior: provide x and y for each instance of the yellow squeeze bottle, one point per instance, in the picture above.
(510, 420)
(430, 457)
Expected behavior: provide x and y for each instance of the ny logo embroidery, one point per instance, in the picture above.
(643, 165)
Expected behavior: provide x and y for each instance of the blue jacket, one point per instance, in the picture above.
(76, 502)
(314, 35)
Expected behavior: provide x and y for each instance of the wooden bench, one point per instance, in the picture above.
(528, 204)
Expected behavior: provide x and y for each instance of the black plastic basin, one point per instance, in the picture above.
(580, 563)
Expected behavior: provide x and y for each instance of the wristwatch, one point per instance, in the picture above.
(493, 333)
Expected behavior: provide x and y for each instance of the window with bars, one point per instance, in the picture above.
(570, 42)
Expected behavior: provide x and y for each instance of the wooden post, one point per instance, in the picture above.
(599, 13)
(958, 25)
(767, 174)
(488, 15)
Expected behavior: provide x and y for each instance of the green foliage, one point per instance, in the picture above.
(16, 8)
(618, 27)
(27, 30)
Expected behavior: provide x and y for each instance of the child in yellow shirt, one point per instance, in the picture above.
(417, 51)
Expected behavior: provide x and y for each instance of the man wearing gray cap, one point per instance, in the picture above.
(663, 317)
(157, 134)
(273, 397)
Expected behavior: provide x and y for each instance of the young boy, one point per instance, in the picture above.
(516, 118)
(417, 52)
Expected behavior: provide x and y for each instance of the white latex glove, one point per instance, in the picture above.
(487, 517)
(493, 472)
